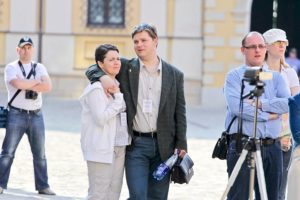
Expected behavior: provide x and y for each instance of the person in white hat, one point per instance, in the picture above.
(277, 42)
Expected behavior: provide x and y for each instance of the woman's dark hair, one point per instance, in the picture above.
(102, 50)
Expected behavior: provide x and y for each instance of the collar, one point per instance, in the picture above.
(158, 67)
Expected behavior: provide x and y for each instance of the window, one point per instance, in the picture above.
(106, 13)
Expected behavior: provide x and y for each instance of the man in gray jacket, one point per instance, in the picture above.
(156, 115)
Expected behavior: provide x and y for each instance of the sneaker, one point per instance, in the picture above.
(47, 191)
(1, 190)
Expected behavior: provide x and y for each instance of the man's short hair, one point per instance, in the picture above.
(248, 34)
(293, 50)
(150, 29)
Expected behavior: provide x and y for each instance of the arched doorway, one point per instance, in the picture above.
(281, 14)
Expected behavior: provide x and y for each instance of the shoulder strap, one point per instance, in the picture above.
(231, 122)
(19, 90)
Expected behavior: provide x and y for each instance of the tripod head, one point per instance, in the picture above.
(258, 90)
(255, 75)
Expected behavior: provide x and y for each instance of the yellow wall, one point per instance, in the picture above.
(226, 30)
(85, 48)
(170, 26)
(79, 19)
(88, 38)
(4, 14)
(4, 23)
(2, 45)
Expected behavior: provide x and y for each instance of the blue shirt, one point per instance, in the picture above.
(294, 104)
(274, 100)
(294, 63)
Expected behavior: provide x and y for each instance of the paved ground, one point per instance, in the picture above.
(67, 170)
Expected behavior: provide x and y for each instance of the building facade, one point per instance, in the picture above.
(200, 37)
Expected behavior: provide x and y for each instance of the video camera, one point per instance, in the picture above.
(255, 76)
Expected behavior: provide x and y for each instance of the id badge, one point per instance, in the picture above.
(147, 106)
(123, 119)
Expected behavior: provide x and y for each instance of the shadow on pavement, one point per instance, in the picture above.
(19, 194)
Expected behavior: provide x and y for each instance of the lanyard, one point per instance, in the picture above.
(23, 70)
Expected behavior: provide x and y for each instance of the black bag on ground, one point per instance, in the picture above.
(221, 147)
(182, 170)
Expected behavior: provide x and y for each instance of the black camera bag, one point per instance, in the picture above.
(221, 147)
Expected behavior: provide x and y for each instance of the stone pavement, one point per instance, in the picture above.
(67, 170)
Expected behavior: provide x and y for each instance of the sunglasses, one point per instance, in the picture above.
(278, 43)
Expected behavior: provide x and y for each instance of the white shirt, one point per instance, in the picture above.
(149, 90)
(13, 71)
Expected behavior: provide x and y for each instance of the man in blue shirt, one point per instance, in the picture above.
(271, 104)
(293, 60)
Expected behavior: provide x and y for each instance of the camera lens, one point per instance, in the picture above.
(29, 94)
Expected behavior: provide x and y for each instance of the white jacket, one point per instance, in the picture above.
(98, 123)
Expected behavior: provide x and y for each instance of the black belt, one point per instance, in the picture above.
(148, 134)
(25, 111)
(263, 141)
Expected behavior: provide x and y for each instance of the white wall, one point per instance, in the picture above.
(23, 15)
(155, 12)
(162, 48)
(187, 56)
(58, 54)
(188, 18)
(58, 16)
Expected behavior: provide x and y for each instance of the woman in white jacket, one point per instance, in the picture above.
(104, 134)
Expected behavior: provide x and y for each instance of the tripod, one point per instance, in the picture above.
(253, 147)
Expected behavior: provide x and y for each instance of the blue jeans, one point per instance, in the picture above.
(286, 157)
(33, 125)
(294, 105)
(272, 165)
(140, 162)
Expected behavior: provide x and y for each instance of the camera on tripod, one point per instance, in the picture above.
(255, 76)
(251, 150)
(30, 94)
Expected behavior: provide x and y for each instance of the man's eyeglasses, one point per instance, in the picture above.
(254, 47)
(278, 43)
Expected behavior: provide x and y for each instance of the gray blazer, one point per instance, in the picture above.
(171, 122)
